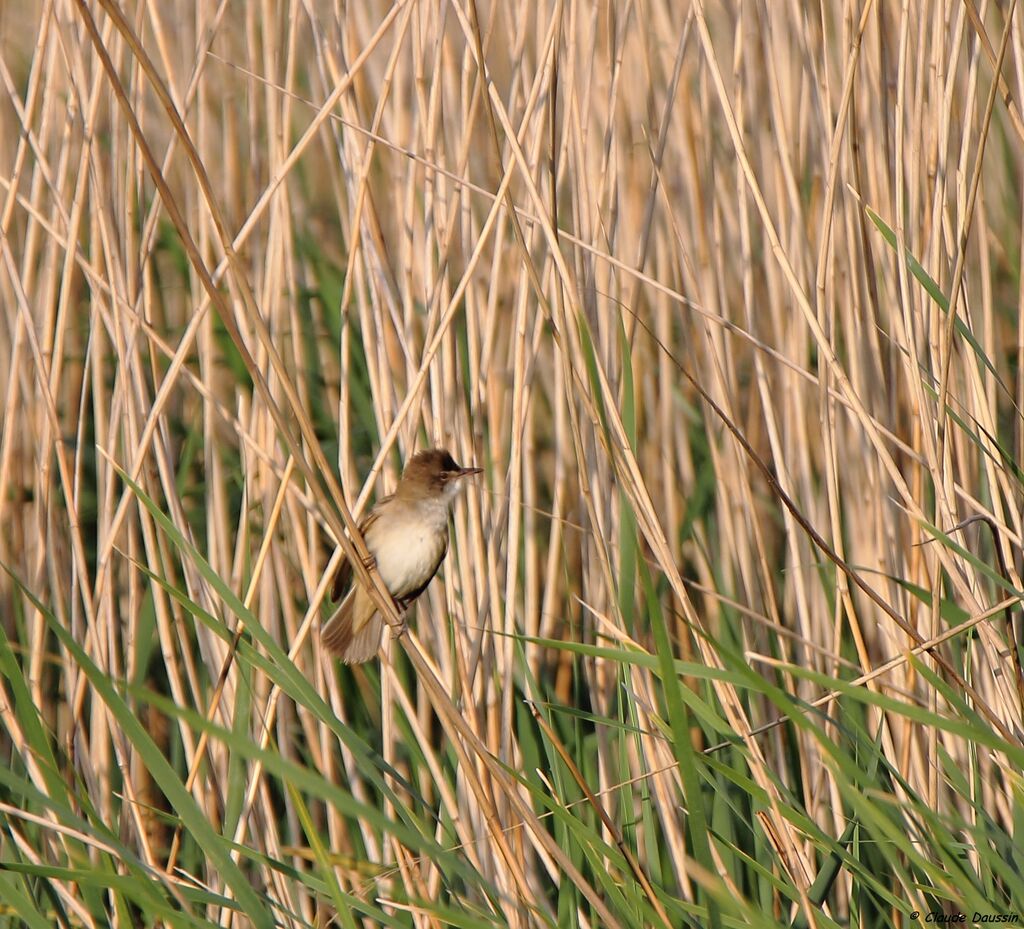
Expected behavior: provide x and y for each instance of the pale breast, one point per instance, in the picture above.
(408, 549)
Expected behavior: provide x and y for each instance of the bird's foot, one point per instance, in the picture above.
(398, 629)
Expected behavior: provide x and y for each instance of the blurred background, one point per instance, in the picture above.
(723, 298)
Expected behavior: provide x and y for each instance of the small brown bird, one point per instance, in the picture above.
(407, 535)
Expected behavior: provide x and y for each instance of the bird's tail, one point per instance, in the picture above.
(355, 630)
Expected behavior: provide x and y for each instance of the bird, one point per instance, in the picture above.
(406, 534)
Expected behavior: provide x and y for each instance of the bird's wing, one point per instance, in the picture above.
(343, 576)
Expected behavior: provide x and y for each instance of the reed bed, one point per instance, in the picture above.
(723, 297)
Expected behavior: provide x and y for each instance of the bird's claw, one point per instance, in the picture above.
(399, 629)
(369, 562)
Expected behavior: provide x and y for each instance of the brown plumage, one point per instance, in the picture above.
(407, 535)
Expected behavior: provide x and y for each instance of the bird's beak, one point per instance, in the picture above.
(468, 472)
